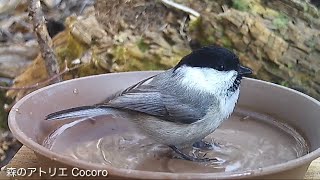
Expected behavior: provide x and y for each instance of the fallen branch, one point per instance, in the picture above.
(44, 40)
(67, 69)
(181, 7)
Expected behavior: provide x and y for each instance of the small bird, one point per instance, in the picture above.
(181, 105)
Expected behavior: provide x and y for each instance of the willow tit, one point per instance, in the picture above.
(181, 105)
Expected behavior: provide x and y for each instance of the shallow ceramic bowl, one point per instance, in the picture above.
(300, 111)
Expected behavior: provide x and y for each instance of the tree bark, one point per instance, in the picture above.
(279, 39)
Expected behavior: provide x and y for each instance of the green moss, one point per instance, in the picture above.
(241, 5)
(119, 53)
(207, 36)
(285, 83)
(207, 41)
(226, 42)
(73, 50)
(89, 69)
(202, 32)
(211, 39)
(305, 7)
(151, 65)
(281, 21)
(142, 45)
(290, 66)
(128, 62)
(194, 24)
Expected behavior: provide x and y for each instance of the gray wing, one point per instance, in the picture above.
(148, 99)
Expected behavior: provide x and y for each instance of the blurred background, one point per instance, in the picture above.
(278, 39)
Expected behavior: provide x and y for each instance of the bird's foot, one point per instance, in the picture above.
(203, 145)
(191, 158)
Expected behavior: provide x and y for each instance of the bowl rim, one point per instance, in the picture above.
(122, 172)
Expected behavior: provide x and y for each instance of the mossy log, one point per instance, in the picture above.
(85, 43)
(279, 39)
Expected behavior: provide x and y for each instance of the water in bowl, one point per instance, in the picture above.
(246, 141)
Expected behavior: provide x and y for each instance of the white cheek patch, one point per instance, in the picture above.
(206, 79)
(193, 78)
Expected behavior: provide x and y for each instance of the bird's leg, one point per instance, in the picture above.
(205, 145)
(190, 158)
(202, 145)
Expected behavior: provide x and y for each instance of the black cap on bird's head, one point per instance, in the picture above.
(215, 57)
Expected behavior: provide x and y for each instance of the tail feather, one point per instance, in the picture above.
(78, 112)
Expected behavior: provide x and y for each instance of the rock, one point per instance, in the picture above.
(8, 5)
(51, 3)
(15, 58)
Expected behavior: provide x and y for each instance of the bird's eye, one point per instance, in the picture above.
(221, 67)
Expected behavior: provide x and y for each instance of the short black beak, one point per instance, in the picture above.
(244, 70)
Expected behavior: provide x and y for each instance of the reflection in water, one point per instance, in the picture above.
(244, 142)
